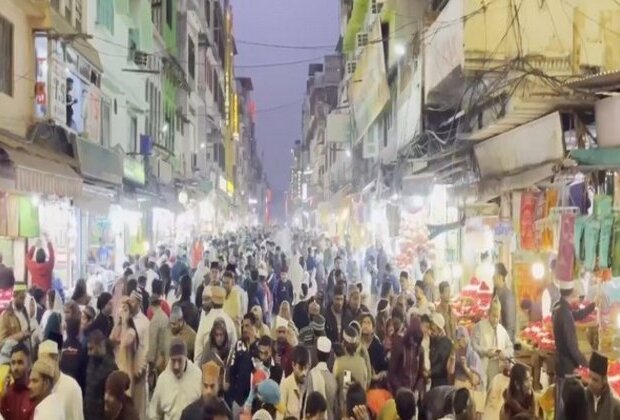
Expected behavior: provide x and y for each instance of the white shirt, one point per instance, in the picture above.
(204, 329)
(50, 408)
(243, 298)
(201, 271)
(142, 326)
(150, 276)
(69, 398)
(484, 339)
(172, 395)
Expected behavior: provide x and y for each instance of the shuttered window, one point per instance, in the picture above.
(6, 56)
(105, 14)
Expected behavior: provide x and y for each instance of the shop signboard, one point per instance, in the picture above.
(133, 170)
(58, 91)
(93, 114)
(99, 162)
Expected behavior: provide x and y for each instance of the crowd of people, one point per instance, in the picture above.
(244, 327)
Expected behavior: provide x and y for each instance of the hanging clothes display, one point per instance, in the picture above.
(566, 252)
(528, 210)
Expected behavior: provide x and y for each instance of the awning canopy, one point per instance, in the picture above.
(82, 46)
(38, 175)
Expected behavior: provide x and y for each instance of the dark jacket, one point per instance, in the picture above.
(102, 323)
(376, 352)
(240, 371)
(195, 411)
(568, 356)
(331, 326)
(301, 317)
(74, 359)
(97, 373)
(349, 314)
(191, 314)
(128, 412)
(284, 292)
(405, 366)
(608, 406)
(440, 350)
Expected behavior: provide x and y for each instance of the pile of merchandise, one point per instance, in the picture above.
(473, 302)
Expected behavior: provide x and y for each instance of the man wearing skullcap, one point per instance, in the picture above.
(283, 348)
(492, 342)
(211, 390)
(66, 388)
(14, 320)
(321, 379)
(177, 387)
(117, 405)
(42, 382)
(602, 404)
(351, 367)
(142, 324)
(218, 296)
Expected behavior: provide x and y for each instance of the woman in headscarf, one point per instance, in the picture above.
(376, 352)
(124, 338)
(293, 332)
(218, 347)
(81, 296)
(468, 370)
(519, 397)
(54, 306)
(31, 309)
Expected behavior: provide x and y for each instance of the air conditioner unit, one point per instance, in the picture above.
(376, 6)
(362, 39)
(351, 66)
(140, 58)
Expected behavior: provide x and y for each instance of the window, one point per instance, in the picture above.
(208, 13)
(156, 14)
(133, 134)
(6, 52)
(78, 15)
(56, 4)
(105, 14)
(191, 58)
(169, 12)
(376, 6)
(106, 116)
(362, 39)
(69, 10)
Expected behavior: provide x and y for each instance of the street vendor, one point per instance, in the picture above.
(568, 355)
(602, 405)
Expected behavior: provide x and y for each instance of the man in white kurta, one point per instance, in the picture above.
(177, 387)
(492, 342)
(217, 295)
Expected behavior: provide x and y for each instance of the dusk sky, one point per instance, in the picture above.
(285, 23)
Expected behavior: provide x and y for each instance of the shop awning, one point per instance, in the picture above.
(38, 175)
(492, 188)
(82, 46)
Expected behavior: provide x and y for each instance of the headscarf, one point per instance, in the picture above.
(471, 357)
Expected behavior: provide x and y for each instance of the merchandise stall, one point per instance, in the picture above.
(163, 227)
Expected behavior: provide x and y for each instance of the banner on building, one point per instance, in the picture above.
(337, 129)
(368, 87)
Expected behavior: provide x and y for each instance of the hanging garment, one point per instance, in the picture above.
(528, 208)
(603, 206)
(591, 237)
(566, 251)
(616, 247)
(604, 246)
(580, 228)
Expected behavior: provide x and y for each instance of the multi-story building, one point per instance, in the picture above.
(124, 143)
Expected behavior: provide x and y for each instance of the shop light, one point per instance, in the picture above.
(203, 145)
(146, 246)
(348, 153)
(183, 197)
(399, 50)
(417, 201)
(36, 200)
(538, 270)
(457, 271)
(395, 197)
(252, 201)
(164, 128)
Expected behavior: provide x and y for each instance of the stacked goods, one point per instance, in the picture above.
(473, 302)
(414, 241)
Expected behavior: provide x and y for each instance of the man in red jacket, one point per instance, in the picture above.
(40, 269)
(16, 403)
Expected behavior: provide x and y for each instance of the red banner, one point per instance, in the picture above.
(566, 253)
(528, 215)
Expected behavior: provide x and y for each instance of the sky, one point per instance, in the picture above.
(284, 23)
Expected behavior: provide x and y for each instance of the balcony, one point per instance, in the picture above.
(504, 68)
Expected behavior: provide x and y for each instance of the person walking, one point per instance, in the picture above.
(602, 404)
(100, 365)
(16, 403)
(48, 404)
(321, 380)
(117, 404)
(177, 387)
(506, 299)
